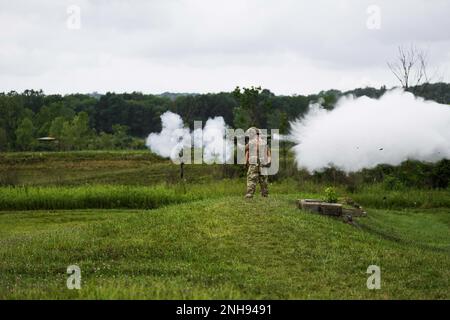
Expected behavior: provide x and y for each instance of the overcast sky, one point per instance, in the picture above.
(287, 46)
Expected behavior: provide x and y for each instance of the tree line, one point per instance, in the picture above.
(121, 121)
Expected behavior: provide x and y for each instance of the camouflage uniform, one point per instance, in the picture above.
(257, 173)
(254, 177)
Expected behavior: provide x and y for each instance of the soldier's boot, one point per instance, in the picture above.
(251, 188)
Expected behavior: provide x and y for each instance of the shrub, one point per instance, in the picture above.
(440, 175)
(330, 195)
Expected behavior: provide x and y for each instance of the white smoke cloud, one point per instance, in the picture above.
(174, 137)
(283, 137)
(216, 148)
(363, 132)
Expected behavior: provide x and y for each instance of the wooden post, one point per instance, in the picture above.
(180, 155)
(182, 170)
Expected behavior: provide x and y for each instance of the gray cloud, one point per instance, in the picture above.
(288, 46)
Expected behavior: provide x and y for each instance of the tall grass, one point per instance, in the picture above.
(375, 196)
(53, 198)
(141, 197)
(109, 196)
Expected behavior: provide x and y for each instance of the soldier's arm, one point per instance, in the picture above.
(269, 155)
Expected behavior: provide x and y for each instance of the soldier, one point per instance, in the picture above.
(258, 157)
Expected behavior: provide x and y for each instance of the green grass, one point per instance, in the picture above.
(137, 168)
(137, 232)
(36, 157)
(53, 198)
(131, 197)
(140, 197)
(223, 248)
(428, 229)
(376, 196)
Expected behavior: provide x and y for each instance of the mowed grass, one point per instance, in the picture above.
(225, 248)
(137, 232)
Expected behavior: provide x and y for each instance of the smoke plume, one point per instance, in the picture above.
(174, 137)
(363, 132)
(216, 149)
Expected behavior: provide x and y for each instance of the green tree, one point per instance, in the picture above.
(284, 127)
(75, 134)
(81, 131)
(255, 104)
(56, 127)
(11, 111)
(3, 140)
(328, 98)
(104, 141)
(67, 136)
(121, 138)
(33, 99)
(25, 135)
(48, 113)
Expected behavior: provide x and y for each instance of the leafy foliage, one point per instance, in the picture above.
(330, 195)
(80, 121)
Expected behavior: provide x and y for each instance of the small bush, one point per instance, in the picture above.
(331, 195)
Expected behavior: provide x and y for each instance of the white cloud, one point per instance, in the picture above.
(287, 46)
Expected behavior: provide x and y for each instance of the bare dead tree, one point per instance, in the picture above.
(410, 66)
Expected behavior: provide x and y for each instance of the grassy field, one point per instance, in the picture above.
(158, 239)
(139, 168)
